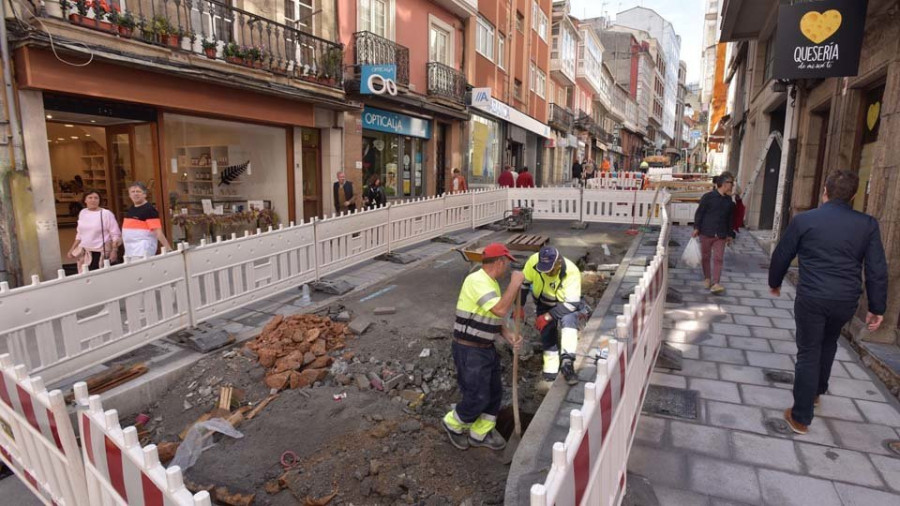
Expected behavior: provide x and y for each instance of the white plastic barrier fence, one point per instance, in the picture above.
(36, 438)
(457, 212)
(63, 326)
(118, 470)
(589, 467)
(548, 203)
(488, 206)
(611, 206)
(616, 181)
(226, 275)
(683, 212)
(416, 221)
(350, 239)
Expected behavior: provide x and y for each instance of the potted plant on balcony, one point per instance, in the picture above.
(125, 23)
(331, 66)
(253, 57)
(162, 31)
(82, 7)
(210, 47)
(101, 12)
(234, 53)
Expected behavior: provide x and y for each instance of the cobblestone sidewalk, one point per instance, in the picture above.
(731, 454)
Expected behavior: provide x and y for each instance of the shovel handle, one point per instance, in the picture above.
(515, 380)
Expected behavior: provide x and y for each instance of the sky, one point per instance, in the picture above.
(685, 15)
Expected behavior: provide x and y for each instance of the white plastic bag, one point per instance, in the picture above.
(198, 439)
(692, 255)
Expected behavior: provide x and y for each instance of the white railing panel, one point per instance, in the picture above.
(457, 212)
(611, 206)
(227, 275)
(416, 221)
(548, 203)
(616, 181)
(61, 327)
(488, 206)
(350, 239)
(37, 440)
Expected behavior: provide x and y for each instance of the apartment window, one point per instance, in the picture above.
(440, 41)
(517, 89)
(770, 59)
(298, 14)
(501, 51)
(484, 38)
(539, 21)
(531, 78)
(374, 16)
(520, 22)
(538, 81)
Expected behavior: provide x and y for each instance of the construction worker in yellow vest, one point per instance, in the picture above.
(555, 283)
(480, 313)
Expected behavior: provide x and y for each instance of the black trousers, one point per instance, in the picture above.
(819, 324)
(96, 260)
(478, 375)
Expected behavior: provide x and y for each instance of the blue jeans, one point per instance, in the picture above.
(819, 324)
(478, 375)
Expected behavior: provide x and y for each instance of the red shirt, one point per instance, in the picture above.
(506, 179)
(525, 180)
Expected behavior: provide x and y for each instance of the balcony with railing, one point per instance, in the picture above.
(211, 28)
(371, 49)
(445, 82)
(583, 121)
(561, 118)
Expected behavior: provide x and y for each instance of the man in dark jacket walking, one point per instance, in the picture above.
(713, 224)
(832, 243)
(343, 195)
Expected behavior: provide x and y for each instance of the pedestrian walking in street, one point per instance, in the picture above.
(713, 223)
(506, 179)
(525, 179)
(577, 171)
(554, 282)
(142, 231)
(480, 312)
(833, 244)
(97, 235)
(458, 184)
(343, 195)
(588, 170)
(375, 196)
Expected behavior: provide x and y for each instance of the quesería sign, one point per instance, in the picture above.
(819, 38)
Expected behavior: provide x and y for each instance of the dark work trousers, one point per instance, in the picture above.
(819, 323)
(478, 375)
(550, 334)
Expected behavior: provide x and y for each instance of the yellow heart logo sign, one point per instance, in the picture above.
(817, 27)
(872, 115)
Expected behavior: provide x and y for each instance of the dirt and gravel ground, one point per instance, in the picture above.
(365, 445)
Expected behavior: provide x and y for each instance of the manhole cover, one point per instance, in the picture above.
(778, 426)
(779, 376)
(668, 401)
(893, 445)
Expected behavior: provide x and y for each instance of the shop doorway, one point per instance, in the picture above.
(312, 184)
(440, 162)
(772, 171)
(870, 127)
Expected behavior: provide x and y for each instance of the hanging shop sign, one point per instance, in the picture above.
(817, 39)
(395, 123)
(378, 79)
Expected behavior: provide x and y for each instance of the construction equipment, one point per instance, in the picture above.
(518, 219)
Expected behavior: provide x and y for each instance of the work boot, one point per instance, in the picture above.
(717, 289)
(457, 439)
(493, 440)
(549, 377)
(568, 370)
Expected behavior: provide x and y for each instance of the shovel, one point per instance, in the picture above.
(513, 443)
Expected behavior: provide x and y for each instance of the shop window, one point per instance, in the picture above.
(221, 174)
(484, 141)
(871, 126)
(399, 161)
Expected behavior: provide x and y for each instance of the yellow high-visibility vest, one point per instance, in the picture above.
(474, 319)
(564, 288)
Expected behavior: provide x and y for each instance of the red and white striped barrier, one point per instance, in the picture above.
(589, 467)
(118, 470)
(36, 437)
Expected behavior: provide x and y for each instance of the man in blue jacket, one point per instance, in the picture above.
(833, 243)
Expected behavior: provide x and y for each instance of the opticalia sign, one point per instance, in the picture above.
(817, 39)
(378, 79)
(395, 123)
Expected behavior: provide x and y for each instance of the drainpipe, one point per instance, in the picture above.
(10, 161)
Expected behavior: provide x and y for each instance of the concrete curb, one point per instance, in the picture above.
(523, 471)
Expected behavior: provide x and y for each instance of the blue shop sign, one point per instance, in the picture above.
(392, 122)
(383, 73)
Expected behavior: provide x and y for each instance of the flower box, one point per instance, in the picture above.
(172, 41)
(210, 53)
(125, 31)
(235, 60)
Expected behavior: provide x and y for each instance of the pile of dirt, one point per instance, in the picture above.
(295, 349)
(593, 284)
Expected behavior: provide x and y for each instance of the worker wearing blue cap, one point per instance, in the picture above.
(555, 283)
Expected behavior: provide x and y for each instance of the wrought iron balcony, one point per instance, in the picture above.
(371, 49)
(217, 30)
(561, 118)
(583, 121)
(446, 82)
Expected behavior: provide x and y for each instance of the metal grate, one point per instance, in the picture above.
(673, 402)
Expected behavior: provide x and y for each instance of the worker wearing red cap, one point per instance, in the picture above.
(480, 312)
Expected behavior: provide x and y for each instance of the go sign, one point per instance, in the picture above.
(378, 79)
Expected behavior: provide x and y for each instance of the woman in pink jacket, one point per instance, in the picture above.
(98, 236)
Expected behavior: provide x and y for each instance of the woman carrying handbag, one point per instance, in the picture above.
(97, 237)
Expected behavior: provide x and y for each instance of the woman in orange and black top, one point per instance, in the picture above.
(142, 228)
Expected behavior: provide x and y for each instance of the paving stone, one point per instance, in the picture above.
(698, 369)
(819, 432)
(767, 397)
(731, 329)
(737, 310)
(880, 413)
(734, 416)
(852, 495)
(754, 302)
(856, 371)
(660, 466)
(784, 347)
(697, 338)
(692, 325)
(779, 334)
(786, 489)
(359, 326)
(863, 437)
(773, 312)
(838, 464)
(724, 479)
(668, 380)
(650, 429)
(742, 374)
(701, 439)
(667, 496)
(770, 360)
(691, 351)
(838, 407)
(844, 354)
(765, 451)
(889, 467)
(749, 343)
(726, 355)
(784, 323)
(857, 389)
(756, 321)
(783, 304)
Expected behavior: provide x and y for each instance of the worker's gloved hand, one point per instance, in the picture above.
(542, 321)
(519, 314)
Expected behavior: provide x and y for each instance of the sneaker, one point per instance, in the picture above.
(795, 426)
(707, 283)
(493, 440)
(457, 439)
(717, 289)
(568, 370)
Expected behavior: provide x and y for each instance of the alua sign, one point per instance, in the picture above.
(818, 39)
